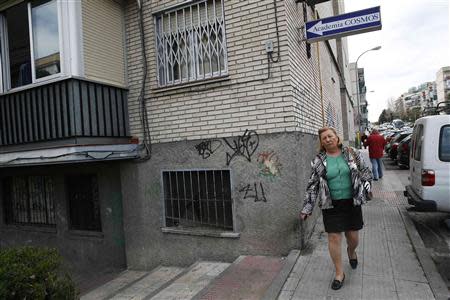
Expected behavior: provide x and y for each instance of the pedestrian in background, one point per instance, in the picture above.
(376, 143)
(364, 139)
(339, 181)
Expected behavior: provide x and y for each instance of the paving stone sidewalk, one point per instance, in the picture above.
(389, 267)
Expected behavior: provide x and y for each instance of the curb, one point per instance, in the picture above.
(437, 284)
(275, 288)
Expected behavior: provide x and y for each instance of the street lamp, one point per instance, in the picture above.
(357, 91)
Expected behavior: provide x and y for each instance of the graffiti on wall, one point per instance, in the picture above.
(269, 164)
(244, 145)
(207, 147)
(255, 192)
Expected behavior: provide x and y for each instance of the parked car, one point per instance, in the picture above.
(394, 143)
(429, 187)
(403, 152)
(397, 123)
(388, 139)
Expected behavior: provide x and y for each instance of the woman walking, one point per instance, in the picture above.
(340, 181)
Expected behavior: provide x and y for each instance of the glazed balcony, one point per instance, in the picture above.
(68, 112)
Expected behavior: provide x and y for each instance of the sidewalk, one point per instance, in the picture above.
(390, 265)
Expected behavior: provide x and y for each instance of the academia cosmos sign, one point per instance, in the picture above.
(342, 25)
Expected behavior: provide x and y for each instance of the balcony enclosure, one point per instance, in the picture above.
(66, 112)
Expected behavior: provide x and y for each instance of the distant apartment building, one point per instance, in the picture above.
(359, 91)
(422, 96)
(443, 84)
(139, 133)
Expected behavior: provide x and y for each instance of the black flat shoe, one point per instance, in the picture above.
(336, 284)
(353, 262)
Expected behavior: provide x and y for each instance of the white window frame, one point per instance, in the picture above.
(195, 55)
(70, 46)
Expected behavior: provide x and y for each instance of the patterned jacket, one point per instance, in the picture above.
(317, 187)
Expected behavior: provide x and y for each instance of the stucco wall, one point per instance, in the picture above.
(265, 228)
(91, 250)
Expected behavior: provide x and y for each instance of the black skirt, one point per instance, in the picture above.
(344, 216)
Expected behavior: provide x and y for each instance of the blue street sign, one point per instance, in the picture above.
(342, 25)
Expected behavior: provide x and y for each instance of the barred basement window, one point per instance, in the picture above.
(198, 199)
(191, 43)
(29, 200)
(84, 205)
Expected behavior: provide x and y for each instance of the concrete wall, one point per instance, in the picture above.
(81, 249)
(265, 228)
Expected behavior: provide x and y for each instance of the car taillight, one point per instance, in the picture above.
(394, 146)
(428, 177)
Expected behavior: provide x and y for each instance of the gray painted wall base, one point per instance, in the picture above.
(276, 167)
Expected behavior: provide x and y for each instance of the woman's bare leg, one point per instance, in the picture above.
(352, 238)
(334, 247)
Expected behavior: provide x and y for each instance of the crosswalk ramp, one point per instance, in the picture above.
(248, 277)
(161, 283)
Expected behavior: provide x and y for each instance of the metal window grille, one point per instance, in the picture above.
(84, 204)
(191, 43)
(198, 199)
(29, 200)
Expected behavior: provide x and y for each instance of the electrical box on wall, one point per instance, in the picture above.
(269, 46)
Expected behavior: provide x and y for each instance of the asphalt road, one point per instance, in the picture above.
(431, 227)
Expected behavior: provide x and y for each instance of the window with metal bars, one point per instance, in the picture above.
(84, 204)
(198, 199)
(191, 43)
(29, 200)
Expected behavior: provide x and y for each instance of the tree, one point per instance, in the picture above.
(391, 104)
(412, 114)
(383, 117)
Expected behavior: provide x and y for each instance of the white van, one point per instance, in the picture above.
(429, 188)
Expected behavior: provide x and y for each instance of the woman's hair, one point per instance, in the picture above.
(322, 130)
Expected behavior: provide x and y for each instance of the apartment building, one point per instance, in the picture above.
(232, 126)
(64, 128)
(139, 133)
(422, 96)
(443, 84)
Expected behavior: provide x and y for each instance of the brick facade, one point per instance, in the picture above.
(288, 101)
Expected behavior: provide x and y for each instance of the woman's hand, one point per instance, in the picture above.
(367, 186)
(303, 216)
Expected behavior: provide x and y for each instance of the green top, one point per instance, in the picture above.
(339, 178)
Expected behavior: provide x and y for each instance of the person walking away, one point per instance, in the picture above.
(340, 182)
(376, 143)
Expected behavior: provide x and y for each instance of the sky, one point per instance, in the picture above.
(415, 44)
